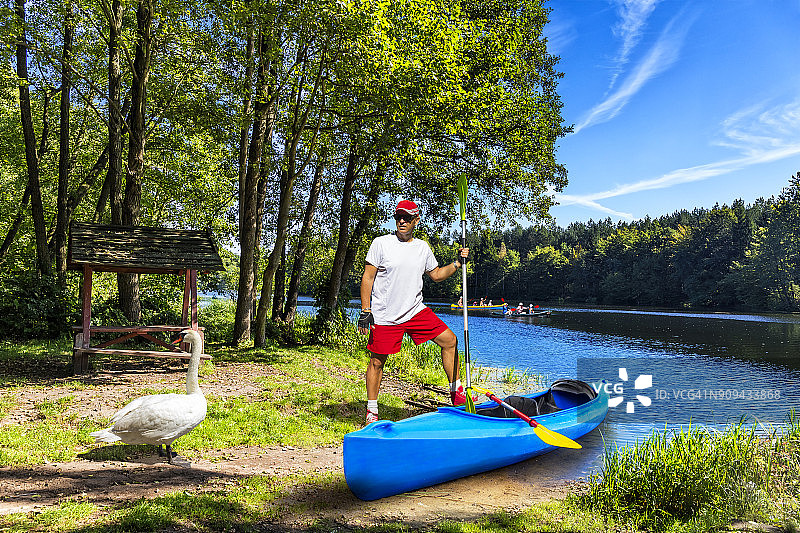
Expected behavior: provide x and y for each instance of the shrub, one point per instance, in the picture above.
(34, 307)
(218, 318)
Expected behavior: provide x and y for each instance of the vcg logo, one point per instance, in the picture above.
(644, 381)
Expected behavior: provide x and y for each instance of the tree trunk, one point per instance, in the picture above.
(247, 103)
(62, 214)
(280, 283)
(367, 215)
(261, 198)
(290, 309)
(335, 282)
(112, 187)
(132, 203)
(31, 157)
(263, 121)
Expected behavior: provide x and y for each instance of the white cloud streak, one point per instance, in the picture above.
(659, 58)
(633, 19)
(760, 135)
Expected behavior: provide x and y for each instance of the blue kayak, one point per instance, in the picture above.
(387, 458)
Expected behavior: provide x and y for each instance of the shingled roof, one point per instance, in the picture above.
(141, 249)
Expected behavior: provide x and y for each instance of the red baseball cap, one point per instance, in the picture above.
(407, 206)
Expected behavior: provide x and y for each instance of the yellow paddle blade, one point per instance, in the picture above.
(548, 436)
(555, 439)
(470, 405)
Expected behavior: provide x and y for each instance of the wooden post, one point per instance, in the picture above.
(186, 297)
(187, 292)
(193, 277)
(80, 359)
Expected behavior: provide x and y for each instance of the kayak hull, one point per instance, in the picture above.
(387, 458)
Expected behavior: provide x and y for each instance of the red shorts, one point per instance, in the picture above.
(387, 340)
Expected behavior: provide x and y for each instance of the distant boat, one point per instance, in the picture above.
(514, 314)
(476, 307)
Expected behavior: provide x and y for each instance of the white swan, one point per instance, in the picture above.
(161, 418)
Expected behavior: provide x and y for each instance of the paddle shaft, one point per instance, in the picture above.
(464, 298)
(517, 412)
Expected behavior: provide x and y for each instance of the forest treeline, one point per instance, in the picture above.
(726, 257)
(277, 124)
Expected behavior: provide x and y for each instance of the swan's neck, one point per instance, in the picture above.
(192, 384)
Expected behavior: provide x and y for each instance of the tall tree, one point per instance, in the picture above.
(62, 214)
(31, 155)
(263, 126)
(128, 283)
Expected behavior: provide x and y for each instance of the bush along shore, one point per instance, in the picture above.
(309, 396)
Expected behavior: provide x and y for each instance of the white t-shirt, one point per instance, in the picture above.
(397, 291)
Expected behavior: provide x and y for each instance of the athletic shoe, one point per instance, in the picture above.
(371, 417)
(459, 397)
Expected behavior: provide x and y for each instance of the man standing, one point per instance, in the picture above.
(391, 302)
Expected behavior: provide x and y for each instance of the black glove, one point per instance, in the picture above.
(365, 319)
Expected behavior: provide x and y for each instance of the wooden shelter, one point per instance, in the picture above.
(138, 249)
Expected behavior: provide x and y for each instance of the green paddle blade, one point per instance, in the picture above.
(470, 405)
(462, 195)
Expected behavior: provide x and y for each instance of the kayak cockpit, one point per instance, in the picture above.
(562, 394)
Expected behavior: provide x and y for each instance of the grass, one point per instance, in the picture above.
(252, 501)
(57, 435)
(699, 479)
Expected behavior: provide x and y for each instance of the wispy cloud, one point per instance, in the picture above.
(761, 135)
(658, 59)
(633, 16)
(560, 34)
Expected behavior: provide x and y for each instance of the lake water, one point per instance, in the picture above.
(707, 368)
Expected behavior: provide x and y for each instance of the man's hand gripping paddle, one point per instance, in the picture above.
(548, 436)
(462, 197)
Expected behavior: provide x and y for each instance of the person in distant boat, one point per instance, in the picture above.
(519, 307)
(391, 302)
(530, 309)
(506, 310)
(483, 302)
(460, 301)
(490, 303)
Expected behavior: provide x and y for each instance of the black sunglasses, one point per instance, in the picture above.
(403, 216)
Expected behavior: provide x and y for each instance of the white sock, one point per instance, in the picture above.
(455, 385)
(372, 406)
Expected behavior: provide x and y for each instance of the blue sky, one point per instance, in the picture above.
(675, 104)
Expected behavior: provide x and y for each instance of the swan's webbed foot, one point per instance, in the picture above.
(175, 459)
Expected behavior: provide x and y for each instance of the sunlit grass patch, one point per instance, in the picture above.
(57, 435)
(543, 517)
(247, 505)
(43, 441)
(238, 421)
(8, 401)
(66, 516)
(34, 349)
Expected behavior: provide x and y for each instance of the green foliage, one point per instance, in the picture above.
(217, 317)
(34, 307)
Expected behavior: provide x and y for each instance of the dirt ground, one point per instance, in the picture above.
(109, 483)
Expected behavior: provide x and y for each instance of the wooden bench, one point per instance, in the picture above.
(81, 354)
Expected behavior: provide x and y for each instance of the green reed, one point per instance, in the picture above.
(694, 474)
